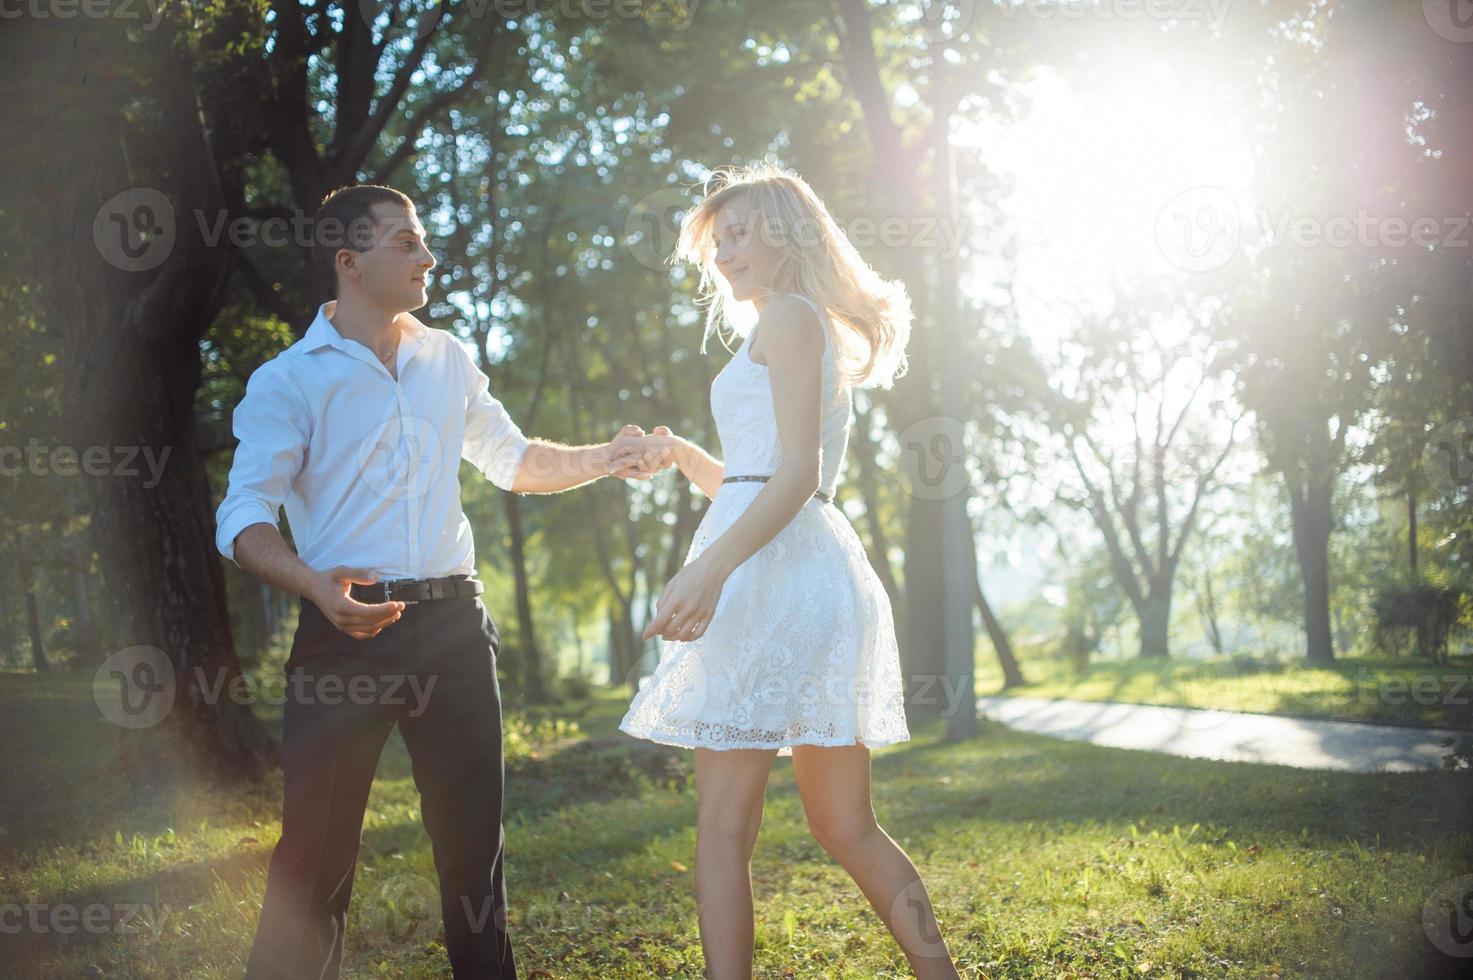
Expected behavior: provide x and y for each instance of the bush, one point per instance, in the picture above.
(572, 687)
(1429, 610)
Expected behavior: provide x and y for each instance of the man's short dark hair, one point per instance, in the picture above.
(346, 221)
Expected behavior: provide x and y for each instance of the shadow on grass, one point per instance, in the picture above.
(598, 802)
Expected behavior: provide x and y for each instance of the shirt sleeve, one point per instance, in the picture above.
(493, 442)
(273, 425)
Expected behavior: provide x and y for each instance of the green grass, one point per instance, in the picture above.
(1400, 692)
(1045, 859)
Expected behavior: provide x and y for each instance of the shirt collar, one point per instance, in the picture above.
(322, 333)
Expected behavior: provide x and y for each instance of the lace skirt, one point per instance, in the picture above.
(801, 649)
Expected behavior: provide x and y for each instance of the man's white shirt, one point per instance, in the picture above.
(367, 467)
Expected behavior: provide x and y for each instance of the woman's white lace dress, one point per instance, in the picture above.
(801, 649)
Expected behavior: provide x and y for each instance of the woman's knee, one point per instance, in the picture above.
(729, 828)
(841, 834)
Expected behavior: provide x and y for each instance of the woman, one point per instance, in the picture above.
(779, 636)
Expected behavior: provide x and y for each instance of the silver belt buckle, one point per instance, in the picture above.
(389, 594)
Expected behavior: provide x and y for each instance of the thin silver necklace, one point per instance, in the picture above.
(386, 358)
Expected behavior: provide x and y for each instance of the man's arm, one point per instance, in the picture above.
(260, 550)
(272, 425)
(496, 446)
(547, 467)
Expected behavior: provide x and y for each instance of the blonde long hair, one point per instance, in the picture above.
(818, 261)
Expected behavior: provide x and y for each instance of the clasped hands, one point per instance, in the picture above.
(633, 455)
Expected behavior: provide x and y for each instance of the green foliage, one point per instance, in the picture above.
(1431, 612)
(527, 738)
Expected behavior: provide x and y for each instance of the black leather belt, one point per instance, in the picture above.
(826, 498)
(418, 589)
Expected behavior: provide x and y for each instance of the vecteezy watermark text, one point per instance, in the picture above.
(89, 9)
(38, 459)
(135, 688)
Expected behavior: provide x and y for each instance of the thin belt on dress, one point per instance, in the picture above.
(826, 498)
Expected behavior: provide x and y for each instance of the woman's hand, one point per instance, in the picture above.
(685, 608)
(660, 447)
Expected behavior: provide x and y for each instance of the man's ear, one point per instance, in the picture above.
(346, 263)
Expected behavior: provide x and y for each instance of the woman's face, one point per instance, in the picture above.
(745, 257)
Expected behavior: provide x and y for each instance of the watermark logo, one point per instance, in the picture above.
(1447, 917)
(945, 20)
(914, 922)
(1202, 229)
(1423, 689)
(134, 920)
(1451, 19)
(402, 908)
(134, 229)
(1210, 12)
(931, 690)
(932, 457)
(1447, 458)
(401, 459)
(675, 15)
(134, 688)
(1362, 230)
(1186, 681)
(124, 10)
(680, 690)
(39, 459)
(388, 14)
(652, 225)
(137, 229)
(1199, 230)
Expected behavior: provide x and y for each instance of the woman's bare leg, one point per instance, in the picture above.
(730, 784)
(834, 784)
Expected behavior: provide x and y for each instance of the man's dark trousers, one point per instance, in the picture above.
(334, 731)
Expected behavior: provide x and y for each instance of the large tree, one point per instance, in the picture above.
(130, 286)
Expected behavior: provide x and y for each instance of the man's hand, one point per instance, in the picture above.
(636, 456)
(359, 620)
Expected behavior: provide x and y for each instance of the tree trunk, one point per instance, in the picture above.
(33, 616)
(897, 175)
(686, 520)
(1208, 608)
(534, 689)
(923, 648)
(869, 493)
(959, 547)
(1412, 526)
(269, 605)
(85, 633)
(1155, 620)
(9, 655)
(130, 339)
(1311, 514)
(623, 647)
(1012, 674)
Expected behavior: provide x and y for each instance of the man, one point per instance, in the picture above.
(358, 429)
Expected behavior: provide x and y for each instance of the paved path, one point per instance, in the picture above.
(1229, 735)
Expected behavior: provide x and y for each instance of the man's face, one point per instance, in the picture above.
(393, 270)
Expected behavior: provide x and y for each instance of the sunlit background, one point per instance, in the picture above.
(1191, 370)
